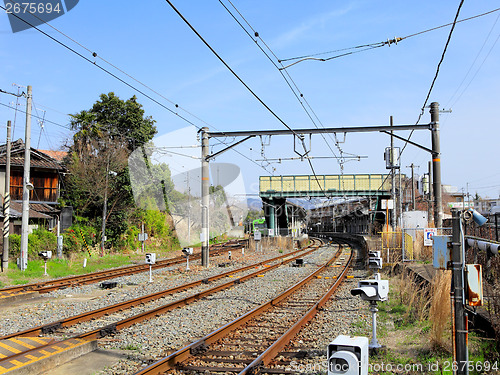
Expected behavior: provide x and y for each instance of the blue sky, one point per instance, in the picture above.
(151, 43)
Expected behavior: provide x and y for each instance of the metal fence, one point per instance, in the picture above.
(407, 245)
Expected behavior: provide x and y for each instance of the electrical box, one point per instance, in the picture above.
(474, 289)
(257, 236)
(391, 157)
(150, 258)
(348, 356)
(441, 251)
(372, 290)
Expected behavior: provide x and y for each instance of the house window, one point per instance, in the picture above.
(45, 186)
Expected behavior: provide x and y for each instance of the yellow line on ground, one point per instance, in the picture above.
(22, 343)
(9, 348)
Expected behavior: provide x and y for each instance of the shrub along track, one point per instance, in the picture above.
(257, 337)
(120, 324)
(95, 277)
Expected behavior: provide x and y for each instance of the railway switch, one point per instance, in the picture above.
(348, 355)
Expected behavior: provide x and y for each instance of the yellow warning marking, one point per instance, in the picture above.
(9, 348)
(2, 355)
(319, 277)
(31, 356)
(23, 343)
(436, 159)
(350, 277)
(39, 340)
(230, 276)
(46, 354)
(327, 277)
(260, 275)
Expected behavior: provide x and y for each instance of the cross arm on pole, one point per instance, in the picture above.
(354, 129)
(228, 148)
(408, 141)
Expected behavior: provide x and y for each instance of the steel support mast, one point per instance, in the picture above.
(436, 166)
(205, 202)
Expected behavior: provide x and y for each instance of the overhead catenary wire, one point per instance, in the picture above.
(432, 83)
(94, 54)
(285, 74)
(290, 82)
(370, 46)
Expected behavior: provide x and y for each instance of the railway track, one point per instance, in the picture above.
(95, 277)
(56, 326)
(248, 344)
(123, 323)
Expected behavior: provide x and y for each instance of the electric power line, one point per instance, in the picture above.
(115, 76)
(370, 46)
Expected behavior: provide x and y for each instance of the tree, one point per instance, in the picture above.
(120, 119)
(97, 161)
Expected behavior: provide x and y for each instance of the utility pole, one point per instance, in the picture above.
(205, 187)
(105, 208)
(412, 166)
(436, 166)
(6, 203)
(23, 259)
(393, 179)
(457, 257)
(430, 217)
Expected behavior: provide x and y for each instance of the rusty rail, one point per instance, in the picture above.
(188, 351)
(113, 328)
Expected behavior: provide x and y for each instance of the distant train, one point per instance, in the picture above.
(259, 225)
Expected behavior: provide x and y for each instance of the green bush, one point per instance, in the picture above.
(130, 239)
(73, 240)
(41, 240)
(14, 245)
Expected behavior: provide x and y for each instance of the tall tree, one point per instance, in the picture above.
(97, 161)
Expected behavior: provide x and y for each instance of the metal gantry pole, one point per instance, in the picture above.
(23, 261)
(457, 257)
(436, 165)
(6, 203)
(393, 180)
(205, 185)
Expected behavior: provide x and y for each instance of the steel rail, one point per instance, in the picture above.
(89, 315)
(200, 345)
(113, 328)
(94, 277)
(269, 354)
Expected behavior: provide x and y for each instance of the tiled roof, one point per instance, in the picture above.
(57, 155)
(38, 159)
(16, 209)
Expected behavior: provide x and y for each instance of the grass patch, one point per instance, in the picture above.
(57, 268)
(415, 326)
